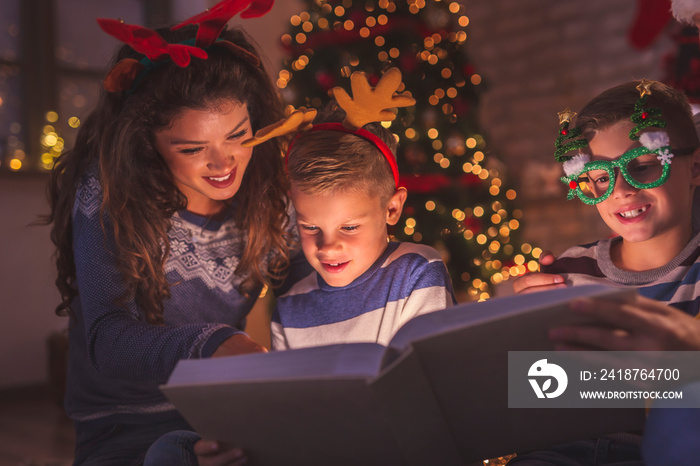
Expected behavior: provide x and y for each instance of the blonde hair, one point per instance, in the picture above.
(330, 161)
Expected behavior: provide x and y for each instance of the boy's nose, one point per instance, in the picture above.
(622, 187)
(326, 243)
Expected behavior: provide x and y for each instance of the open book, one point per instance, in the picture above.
(437, 394)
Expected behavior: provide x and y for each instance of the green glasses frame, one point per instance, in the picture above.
(621, 164)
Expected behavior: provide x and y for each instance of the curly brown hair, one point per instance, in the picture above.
(139, 193)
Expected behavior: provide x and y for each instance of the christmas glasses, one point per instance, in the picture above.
(641, 168)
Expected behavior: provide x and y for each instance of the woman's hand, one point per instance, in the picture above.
(538, 281)
(211, 453)
(643, 325)
(238, 344)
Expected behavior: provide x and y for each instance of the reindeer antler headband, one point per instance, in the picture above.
(367, 105)
(128, 73)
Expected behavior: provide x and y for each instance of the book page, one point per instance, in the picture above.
(357, 359)
(309, 406)
(473, 313)
(465, 359)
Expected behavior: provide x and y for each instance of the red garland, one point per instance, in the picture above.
(424, 184)
(431, 183)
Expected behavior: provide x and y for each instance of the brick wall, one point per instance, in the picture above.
(538, 57)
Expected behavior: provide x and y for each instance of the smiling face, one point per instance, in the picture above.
(344, 232)
(202, 149)
(646, 215)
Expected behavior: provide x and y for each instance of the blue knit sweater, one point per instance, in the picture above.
(117, 360)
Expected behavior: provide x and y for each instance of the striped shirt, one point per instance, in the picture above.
(407, 280)
(677, 283)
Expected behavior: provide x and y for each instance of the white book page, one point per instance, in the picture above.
(355, 359)
(467, 314)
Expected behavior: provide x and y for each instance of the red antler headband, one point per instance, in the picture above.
(366, 106)
(363, 133)
(127, 74)
(213, 20)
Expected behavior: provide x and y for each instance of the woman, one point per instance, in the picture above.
(166, 228)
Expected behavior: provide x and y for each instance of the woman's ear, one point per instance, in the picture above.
(395, 206)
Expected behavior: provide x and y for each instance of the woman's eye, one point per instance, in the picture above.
(309, 228)
(351, 227)
(238, 135)
(191, 150)
(602, 179)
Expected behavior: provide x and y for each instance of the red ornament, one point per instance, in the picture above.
(564, 132)
(473, 224)
(325, 80)
(572, 184)
(408, 62)
(644, 115)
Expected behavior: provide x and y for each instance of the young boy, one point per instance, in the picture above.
(639, 164)
(364, 287)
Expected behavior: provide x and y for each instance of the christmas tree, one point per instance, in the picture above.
(457, 202)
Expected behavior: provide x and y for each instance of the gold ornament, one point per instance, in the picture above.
(644, 87)
(566, 116)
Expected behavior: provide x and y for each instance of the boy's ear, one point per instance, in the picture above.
(395, 206)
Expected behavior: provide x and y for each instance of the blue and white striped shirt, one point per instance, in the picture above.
(677, 283)
(407, 280)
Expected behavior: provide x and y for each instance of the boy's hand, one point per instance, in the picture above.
(538, 281)
(644, 325)
(238, 344)
(211, 453)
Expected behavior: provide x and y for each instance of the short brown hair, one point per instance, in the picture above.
(617, 104)
(327, 161)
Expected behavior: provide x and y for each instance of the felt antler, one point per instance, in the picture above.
(212, 21)
(149, 42)
(368, 105)
(297, 120)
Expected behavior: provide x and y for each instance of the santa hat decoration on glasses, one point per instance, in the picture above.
(684, 10)
(367, 105)
(644, 167)
(128, 73)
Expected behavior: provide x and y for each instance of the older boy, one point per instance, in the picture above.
(364, 287)
(639, 164)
